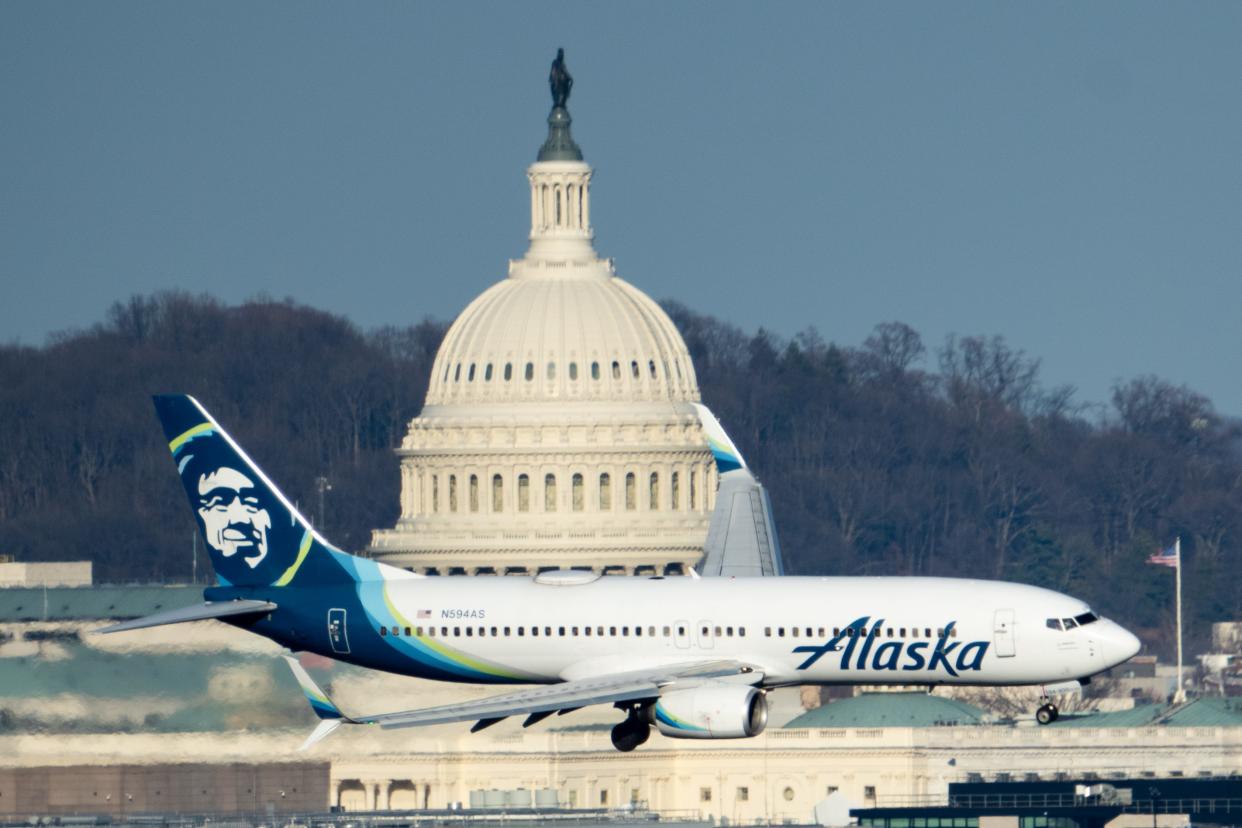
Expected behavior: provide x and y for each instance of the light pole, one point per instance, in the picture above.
(322, 485)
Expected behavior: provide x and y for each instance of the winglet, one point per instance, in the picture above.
(319, 701)
(724, 451)
(321, 731)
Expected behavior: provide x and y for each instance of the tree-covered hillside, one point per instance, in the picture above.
(885, 458)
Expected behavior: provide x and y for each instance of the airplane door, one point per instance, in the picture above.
(336, 631)
(681, 634)
(706, 641)
(1002, 633)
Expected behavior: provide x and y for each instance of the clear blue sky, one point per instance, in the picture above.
(1068, 175)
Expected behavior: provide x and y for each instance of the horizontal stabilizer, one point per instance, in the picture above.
(199, 612)
(741, 537)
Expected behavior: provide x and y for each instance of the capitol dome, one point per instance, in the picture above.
(562, 333)
(559, 429)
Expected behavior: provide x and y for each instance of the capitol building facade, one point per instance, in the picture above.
(558, 429)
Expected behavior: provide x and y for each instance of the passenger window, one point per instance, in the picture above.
(780, 632)
(681, 630)
(940, 632)
(729, 632)
(767, 632)
(561, 632)
(638, 632)
(493, 632)
(418, 631)
(718, 632)
(599, 631)
(407, 632)
(534, 632)
(810, 633)
(521, 632)
(903, 632)
(651, 631)
(547, 631)
(469, 632)
(612, 631)
(457, 632)
(507, 632)
(383, 632)
(444, 632)
(667, 631)
(574, 631)
(625, 632)
(741, 632)
(793, 632)
(928, 632)
(586, 631)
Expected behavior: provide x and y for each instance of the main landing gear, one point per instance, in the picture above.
(632, 732)
(1047, 712)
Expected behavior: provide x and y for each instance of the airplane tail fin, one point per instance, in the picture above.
(255, 536)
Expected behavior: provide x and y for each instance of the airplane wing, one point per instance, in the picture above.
(537, 703)
(741, 537)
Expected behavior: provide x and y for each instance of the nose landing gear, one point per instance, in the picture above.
(632, 732)
(1047, 712)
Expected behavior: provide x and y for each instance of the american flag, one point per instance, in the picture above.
(424, 613)
(1166, 557)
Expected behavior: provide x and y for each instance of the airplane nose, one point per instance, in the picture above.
(1121, 644)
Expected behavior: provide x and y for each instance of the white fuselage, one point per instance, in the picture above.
(795, 630)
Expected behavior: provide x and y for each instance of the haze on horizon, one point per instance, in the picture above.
(1065, 175)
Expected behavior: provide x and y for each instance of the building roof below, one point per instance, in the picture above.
(890, 710)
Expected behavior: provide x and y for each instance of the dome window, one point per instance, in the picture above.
(523, 493)
(470, 373)
(605, 492)
(573, 370)
(693, 480)
(530, 371)
(435, 493)
(551, 370)
(651, 368)
(616, 370)
(457, 373)
(508, 371)
(576, 491)
(674, 485)
(653, 491)
(549, 492)
(498, 493)
(631, 494)
(474, 493)
(487, 373)
(595, 370)
(452, 493)
(634, 368)
(677, 365)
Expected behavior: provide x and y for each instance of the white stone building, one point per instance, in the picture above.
(558, 430)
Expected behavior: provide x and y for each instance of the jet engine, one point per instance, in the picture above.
(711, 711)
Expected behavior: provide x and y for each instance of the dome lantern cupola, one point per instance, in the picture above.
(560, 182)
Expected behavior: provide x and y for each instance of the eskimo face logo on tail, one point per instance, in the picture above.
(861, 653)
(251, 535)
(234, 519)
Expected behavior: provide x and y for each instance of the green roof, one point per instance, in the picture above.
(93, 602)
(1212, 711)
(890, 710)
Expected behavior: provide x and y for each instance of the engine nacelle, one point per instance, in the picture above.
(723, 711)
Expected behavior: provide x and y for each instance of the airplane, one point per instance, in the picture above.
(691, 655)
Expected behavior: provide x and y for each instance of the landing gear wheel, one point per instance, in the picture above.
(1047, 714)
(630, 733)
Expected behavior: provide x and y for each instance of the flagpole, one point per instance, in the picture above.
(1178, 696)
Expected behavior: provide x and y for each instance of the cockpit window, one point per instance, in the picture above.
(1086, 618)
(1069, 623)
(1053, 623)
